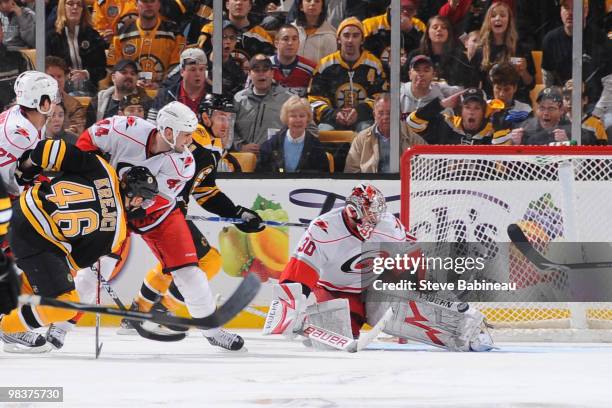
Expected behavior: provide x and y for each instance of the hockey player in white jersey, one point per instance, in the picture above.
(163, 149)
(21, 126)
(330, 263)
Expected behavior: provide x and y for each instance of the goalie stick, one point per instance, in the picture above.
(331, 338)
(240, 298)
(519, 239)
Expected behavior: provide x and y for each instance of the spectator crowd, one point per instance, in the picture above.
(309, 79)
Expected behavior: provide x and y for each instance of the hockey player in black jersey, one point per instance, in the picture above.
(65, 225)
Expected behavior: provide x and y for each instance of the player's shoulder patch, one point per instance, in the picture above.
(19, 131)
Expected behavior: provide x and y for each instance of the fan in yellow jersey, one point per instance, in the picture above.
(216, 112)
(66, 224)
(344, 84)
(152, 41)
(110, 16)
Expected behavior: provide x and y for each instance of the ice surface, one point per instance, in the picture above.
(134, 372)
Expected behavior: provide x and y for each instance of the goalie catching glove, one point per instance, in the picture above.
(252, 222)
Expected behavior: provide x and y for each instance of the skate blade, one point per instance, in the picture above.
(21, 349)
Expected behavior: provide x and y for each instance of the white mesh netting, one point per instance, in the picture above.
(456, 196)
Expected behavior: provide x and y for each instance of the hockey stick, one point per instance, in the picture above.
(240, 221)
(327, 205)
(147, 334)
(98, 344)
(341, 343)
(240, 298)
(518, 238)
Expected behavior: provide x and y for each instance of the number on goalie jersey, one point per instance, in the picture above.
(128, 141)
(330, 254)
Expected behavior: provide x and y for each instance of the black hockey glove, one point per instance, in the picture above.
(9, 285)
(26, 176)
(251, 221)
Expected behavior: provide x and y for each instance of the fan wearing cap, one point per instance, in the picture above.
(471, 126)
(132, 105)
(124, 77)
(344, 84)
(151, 40)
(422, 89)
(191, 87)
(258, 107)
(547, 126)
(252, 38)
(378, 31)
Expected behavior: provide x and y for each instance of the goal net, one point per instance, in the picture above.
(553, 193)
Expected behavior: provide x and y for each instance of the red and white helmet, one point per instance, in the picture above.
(366, 206)
(30, 88)
(177, 117)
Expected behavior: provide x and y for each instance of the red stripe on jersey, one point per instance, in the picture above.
(85, 143)
(300, 272)
(159, 202)
(331, 286)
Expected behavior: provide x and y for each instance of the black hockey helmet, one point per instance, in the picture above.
(138, 181)
(212, 102)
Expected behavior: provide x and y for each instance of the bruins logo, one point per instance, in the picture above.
(350, 98)
(150, 63)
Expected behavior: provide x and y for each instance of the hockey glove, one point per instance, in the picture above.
(252, 222)
(9, 285)
(25, 175)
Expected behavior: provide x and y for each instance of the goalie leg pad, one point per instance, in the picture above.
(286, 312)
(450, 325)
(355, 303)
(332, 315)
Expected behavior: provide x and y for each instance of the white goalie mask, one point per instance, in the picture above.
(366, 206)
(32, 86)
(177, 117)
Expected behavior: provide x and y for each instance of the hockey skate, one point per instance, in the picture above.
(224, 339)
(28, 342)
(55, 336)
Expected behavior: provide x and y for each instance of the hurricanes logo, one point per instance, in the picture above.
(153, 64)
(362, 263)
(350, 98)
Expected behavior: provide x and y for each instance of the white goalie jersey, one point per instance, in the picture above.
(127, 140)
(331, 256)
(17, 135)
